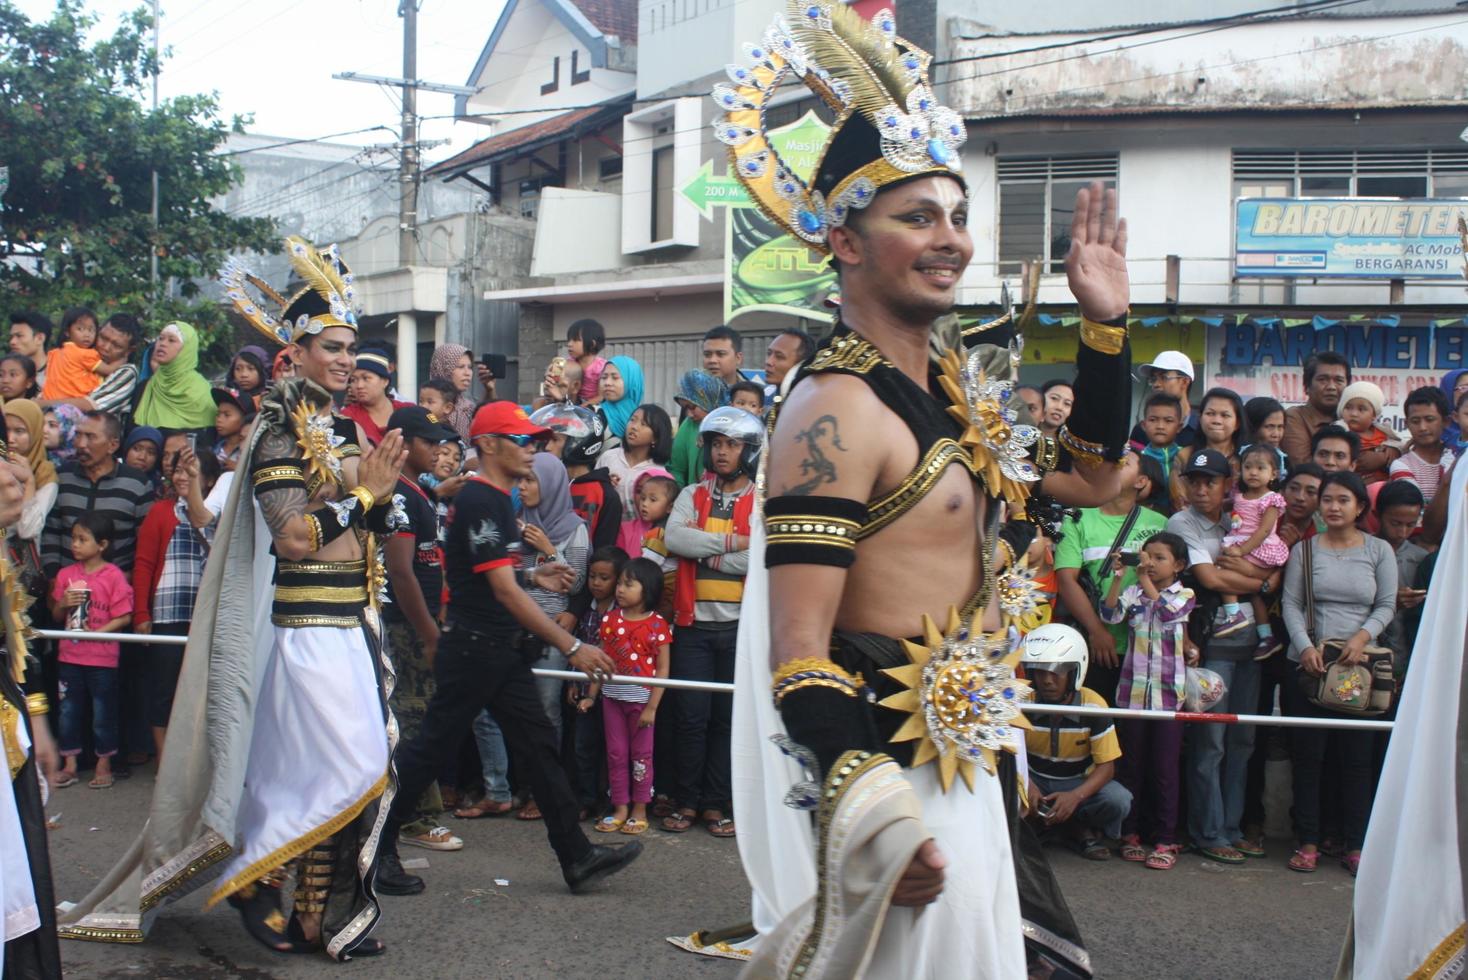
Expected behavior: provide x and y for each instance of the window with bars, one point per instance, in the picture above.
(1351, 173)
(1036, 203)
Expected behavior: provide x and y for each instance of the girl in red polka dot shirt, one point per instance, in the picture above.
(638, 640)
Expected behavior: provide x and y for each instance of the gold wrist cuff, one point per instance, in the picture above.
(36, 704)
(1088, 455)
(366, 497)
(814, 672)
(1102, 338)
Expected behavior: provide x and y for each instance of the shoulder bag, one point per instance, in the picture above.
(1358, 689)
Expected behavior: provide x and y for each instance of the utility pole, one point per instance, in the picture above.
(153, 247)
(409, 158)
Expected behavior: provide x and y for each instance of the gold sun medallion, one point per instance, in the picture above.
(962, 697)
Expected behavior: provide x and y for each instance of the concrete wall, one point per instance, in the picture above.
(989, 17)
(680, 41)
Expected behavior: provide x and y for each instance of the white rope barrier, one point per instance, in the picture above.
(717, 687)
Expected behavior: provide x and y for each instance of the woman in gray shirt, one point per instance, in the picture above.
(1355, 583)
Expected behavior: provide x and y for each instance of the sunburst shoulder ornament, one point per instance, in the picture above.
(1022, 603)
(962, 697)
(320, 446)
(999, 447)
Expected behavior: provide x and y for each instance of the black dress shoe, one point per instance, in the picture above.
(393, 880)
(602, 860)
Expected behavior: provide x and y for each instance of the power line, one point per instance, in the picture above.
(304, 139)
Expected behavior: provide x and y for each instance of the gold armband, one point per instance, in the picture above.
(814, 672)
(1087, 455)
(365, 497)
(1102, 338)
(36, 704)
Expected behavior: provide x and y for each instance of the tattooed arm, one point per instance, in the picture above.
(282, 503)
(820, 452)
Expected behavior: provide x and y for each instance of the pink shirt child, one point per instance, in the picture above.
(111, 597)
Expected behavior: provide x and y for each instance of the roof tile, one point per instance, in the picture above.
(617, 18)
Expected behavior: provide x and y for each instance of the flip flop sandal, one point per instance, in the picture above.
(1303, 862)
(1352, 863)
(1163, 858)
(1250, 848)
(482, 808)
(65, 782)
(1092, 849)
(1132, 849)
(609, 825)
(530, 812)
(634, 827)
(677, 823)
(720, 827)
(100, 782)
(1223, 855)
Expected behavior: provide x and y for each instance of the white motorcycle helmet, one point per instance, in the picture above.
(1057, 648)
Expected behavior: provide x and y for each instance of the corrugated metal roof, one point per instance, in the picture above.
(527, 138)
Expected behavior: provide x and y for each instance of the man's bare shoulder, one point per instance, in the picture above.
(828, 439)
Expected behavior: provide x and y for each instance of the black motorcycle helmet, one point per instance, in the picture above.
(584, 429)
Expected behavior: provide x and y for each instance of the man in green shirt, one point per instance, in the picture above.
(1084, 545)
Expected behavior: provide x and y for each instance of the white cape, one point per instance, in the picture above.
(1408, 916)
(973, 930)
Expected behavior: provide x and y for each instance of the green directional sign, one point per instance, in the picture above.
(708, 191)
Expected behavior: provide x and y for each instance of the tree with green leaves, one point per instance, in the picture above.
(81, 146)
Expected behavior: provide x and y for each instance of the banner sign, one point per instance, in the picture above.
(1255, 360)
(768, 269)
(1348, 237)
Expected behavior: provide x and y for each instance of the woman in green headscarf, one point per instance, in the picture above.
(177, 395)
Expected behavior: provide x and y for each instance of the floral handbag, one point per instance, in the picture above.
(1356, 689)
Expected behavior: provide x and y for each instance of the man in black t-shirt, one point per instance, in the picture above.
(410, 618)
(478, 664)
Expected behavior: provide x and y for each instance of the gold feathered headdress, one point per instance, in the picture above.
(328, 298)
(889, 127)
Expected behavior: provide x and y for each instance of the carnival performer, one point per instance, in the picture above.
(889, 466)
(27, 901)
(277, 754)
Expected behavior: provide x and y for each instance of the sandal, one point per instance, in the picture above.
(259, 908)
(67, 779)
(1352, 863)
(720, 826)
(1132, 849)
(678, 822)
(662, 806)
(1164, 857)
(634, 827)
(529, 812)
(100, 782)
(1304, 862)
(483, 808)
(1250, 848)
(609, 825)
(1223, 855)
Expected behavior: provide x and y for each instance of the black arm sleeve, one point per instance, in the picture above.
(1103, 394)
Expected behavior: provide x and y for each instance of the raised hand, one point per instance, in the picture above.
(380, 466)
(1095, 266)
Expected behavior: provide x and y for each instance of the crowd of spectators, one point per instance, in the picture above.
(1226, 510)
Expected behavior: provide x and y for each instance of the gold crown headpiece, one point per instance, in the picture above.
(889, 127)
(328, 298)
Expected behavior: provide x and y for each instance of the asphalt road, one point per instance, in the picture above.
(1198, 920)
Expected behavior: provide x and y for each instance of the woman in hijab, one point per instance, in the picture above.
(1455, 385)
(25, 431)
(59, 428)
(142, 450)
(552, 533)
(453, 363)
(177, 396)
(621, 392)
(698, 394)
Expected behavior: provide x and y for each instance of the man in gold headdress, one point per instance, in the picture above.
(890, 470)
(277, 760)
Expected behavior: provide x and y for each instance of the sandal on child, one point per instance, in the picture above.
(1132, 849)
(1304, 862)
(634, 827)
(609, 825)
(1352, 863)
(1250, 848)
(100, 782)
(1164, 857)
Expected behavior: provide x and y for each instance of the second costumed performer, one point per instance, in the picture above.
(277, 759)
(871, 647)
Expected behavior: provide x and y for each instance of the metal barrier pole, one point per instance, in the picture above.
(1083, 711)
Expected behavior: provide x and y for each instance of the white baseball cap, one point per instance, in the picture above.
(1168, 360)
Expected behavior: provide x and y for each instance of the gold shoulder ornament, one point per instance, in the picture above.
(999, 446)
